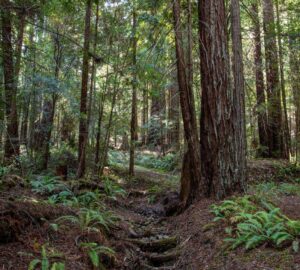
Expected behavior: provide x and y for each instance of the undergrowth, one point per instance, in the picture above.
(252, 222)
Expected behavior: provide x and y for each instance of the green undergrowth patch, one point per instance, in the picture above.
(90, 216)
(271, 190)
(164, 163)
(251, 221)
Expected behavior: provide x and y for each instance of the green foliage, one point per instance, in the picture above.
(287, 171)
(95, 251)
(44, 263)
(89, 199)
(272, 189)
(164, 163)
(65, 197)
(230, 208)
(64, 155)
(89, 220)
(4, 170)
(112, 189)
(168, 162)
(47, 184)
(117, 157)
(252, 225)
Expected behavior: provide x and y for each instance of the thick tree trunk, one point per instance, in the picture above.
(260, 86)
(217, 133)
(10, 86)
(191, 177)
(273, 85)
(239, 122)
(133, 124)
(83, 129)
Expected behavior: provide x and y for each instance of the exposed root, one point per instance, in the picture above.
(156, 245)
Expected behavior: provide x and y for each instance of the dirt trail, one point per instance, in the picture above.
(149, 243)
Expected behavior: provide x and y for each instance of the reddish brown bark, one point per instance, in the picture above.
(238, 117)
(10, 86)
(260, 86)
(83, 128)
(133, 125)
(191, 176)
(273, 85)
(216, 133)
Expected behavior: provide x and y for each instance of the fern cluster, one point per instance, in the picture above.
(95, 252)
(252, 225)
(47, 184)
(44, 263)
(89, 220)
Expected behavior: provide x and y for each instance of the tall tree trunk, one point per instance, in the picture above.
(134, 97)
(10, 86)
(83, 129)
(93, 71)
(20, 37)
(262, 120)
(239, 122)
(217, 133)
(273, 85)
(191, 175)
(145, 116)
(174, 113)
(294, 60)
(286, 130)
(48, 111)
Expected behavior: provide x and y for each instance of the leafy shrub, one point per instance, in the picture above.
(95, 251)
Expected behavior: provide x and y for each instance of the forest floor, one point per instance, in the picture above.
(139, 230)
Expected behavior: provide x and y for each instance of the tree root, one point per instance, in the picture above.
(158, 259)
(156, 245)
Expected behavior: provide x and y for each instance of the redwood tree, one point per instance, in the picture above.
(83, 125)
(262, 120)
(10, 85)
(191, 172)
(239, 124)
(133, 125)
(273, 85)
(217, 132)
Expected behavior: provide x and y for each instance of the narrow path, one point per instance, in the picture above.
(149, 244)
